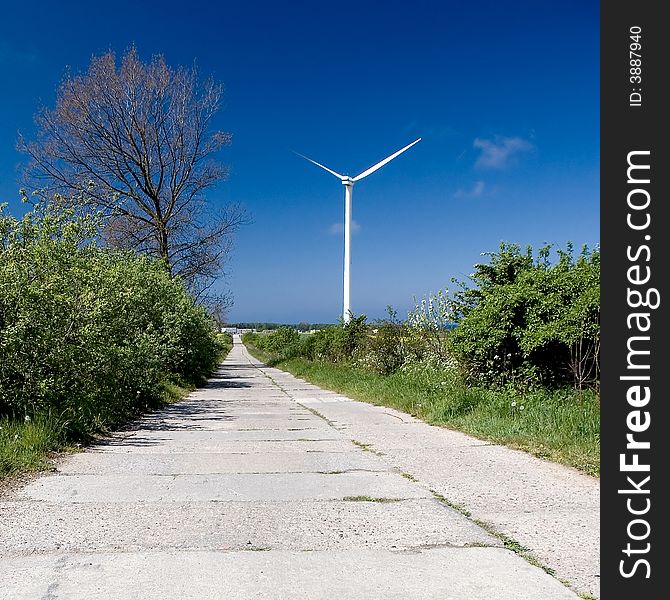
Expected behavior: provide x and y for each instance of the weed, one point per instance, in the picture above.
(318, 414)
(455, 505)
(370, 499)
(511, 544)
(477, 545)
(366, 447)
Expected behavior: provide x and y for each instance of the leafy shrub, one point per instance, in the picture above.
(349, 337)
(283, 342)
(88, 334)
(530, 319)
(385, 351)
(335, 343)
(307, 346)
(321, 344)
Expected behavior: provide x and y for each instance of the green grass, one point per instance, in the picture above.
(553, 424)
(362, 446)
(455, 505)
(511, 544)
(370, 499)
(25, 446)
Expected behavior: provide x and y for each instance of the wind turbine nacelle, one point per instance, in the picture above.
(347, 181)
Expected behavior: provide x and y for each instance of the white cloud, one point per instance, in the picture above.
(478, 189)
(496, 153)
(475, 192)
(338, 228)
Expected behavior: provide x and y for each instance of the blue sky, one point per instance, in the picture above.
(504, 95)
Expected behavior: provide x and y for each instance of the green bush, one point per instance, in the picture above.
(88, 334)
(321, 345)
(350, 337)
(531, 320)
(283, 342)
(333, 343)
(522, 322)
(337, 343)
(385, 349)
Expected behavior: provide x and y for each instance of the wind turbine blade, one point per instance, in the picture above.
(320, 165)
(380, 164)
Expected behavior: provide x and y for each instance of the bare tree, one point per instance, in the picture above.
(138, 141)
(219, 306)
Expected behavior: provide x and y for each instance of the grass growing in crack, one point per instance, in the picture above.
(367, 447)
(508, 542)
(362, 446)
(455, 505)
(330, 472)
(477, 545)
(409, 476)
(511, 544)
(370, 499)
(316, 413)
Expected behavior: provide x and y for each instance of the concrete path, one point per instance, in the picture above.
(263, 486)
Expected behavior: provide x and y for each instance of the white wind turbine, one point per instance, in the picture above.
(348, 183)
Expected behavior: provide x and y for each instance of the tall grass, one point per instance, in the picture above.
(25, 446)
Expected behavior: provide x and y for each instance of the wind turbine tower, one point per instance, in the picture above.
(348, 183)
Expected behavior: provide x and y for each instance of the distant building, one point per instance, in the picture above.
(235, 330)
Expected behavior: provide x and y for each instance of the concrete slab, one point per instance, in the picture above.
(201, 463)
(532, 528)
(188, 436)
(444, 573)
(533, 501)
(278, 487)
(228, 447)
(521, 484)
(305, 526)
